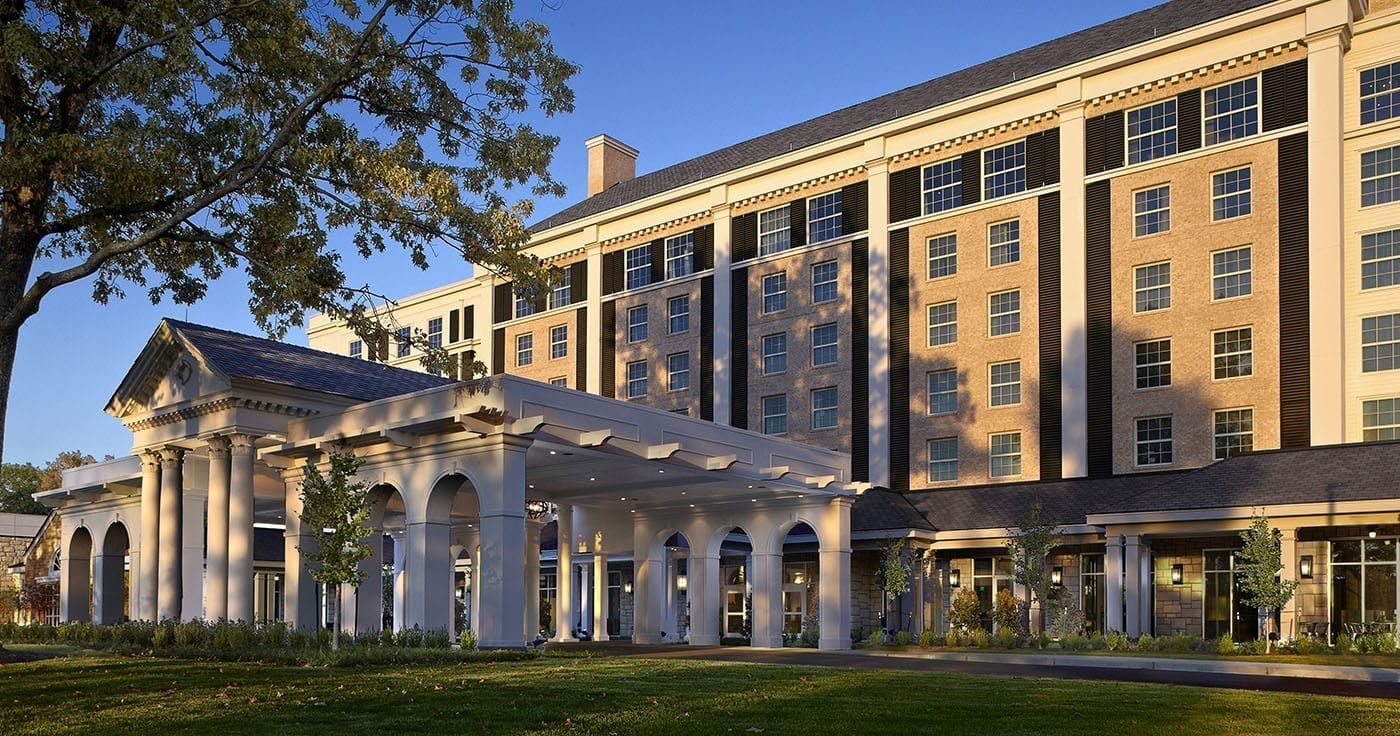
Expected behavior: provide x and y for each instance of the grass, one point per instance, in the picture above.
(94, 693)
(1389, 661)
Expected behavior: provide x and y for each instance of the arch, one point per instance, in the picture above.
(431, 562)
(76, 572)
(778, 539)
(387, 517)
(112, 583)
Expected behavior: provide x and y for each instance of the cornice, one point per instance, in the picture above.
(212, 407)
(799, 186)
(1203, 72)
(1014, 126)
(693, 217)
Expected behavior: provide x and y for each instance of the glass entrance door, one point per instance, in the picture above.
(734, 612)
(1225, 610)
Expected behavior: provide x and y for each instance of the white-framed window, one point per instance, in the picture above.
(774, 353)
(775, 414)
(1004, 170)
(1153, 440)
(943, 256)
(401, 336)
(1378, 99)
(1004, 243)
(637, 379)
(824, 345)
(774, 292)
(1380, 419)
(942, 185)
(1152, 131)
(774, 230)
(558, 342)
(1232, 273)
(560, 381)
(1004, 313)
(1380, 259)
(435, 332)
(680, 255)
(824, 282)
(1233, 351)
(1152, 287)
(1231, 111)
(942, 459)
(1152, 363)
(524, 303)
(563, 292)
(678, 371)
(942, 324)
(1231, 194)
(1380, 176)
(1152, 210)
(678, 314)
(943, 391)
(824, 217)
(824, 408)
(637, 323)
(1005, 383)
(524, 349)
(1380, 343)
(1234, 432)
(1005, 451)
(357, 349)
(637, 266)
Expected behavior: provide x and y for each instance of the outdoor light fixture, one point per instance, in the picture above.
(1057, 576)
(798, 578)
(954, 578)
(627, 587)
(1305, 567)
(1371, 532)
(537, 509)
(1178, 572)
(680, 582)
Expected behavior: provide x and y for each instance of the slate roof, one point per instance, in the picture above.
(996, 506)
(1086, 44)
(881, 509)
(245, 356)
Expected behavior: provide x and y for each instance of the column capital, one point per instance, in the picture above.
(150, 459)
(242, 442)
(219, 445)
(170, 455)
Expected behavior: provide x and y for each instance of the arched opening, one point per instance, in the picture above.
(112, 573)
(463, 587)
(675, 612)
(452, 511)
(800, 598)
(735, 591)
(380, 597)
(77, 577)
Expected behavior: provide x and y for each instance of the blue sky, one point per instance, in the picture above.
(672, 79)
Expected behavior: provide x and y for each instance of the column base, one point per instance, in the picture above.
(563, 639)
(704, 641)
(601, 637)
(833, 644)
(770, 642)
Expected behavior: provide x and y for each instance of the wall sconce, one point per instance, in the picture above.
(627, 587)
(799, 579)
(1305, 567)
(1057, 576)
(681, 582)
(1371, 532)
(1178, 572)
(954, 578)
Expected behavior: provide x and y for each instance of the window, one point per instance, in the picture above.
(824, 408)
(405, 347)
(560, 381)
(524, 303)
(1380, 343)
(943, 459)
(1234, 432)
(678, 371)
(1234, 353)
(435, 332)
(1152, 287)
(357, 349)
(1152, 211)
(1004, 313)
(637, 324)
(1152, 131)
(1380, 419)
(638, 266)
(774, 353)
(943, 324)
(1231, 111)
(1006, 383)
(943, 256)
(680, 256)
(1380, 178)
(1378, 99)
(1153, 363)
(775, 414)
(1232, 273)
(1154, 441)
(1231, 194)
(824, 282)
(774, 230)
(1380, 259)
(943, 391)
(678, 311)
(942, 185)
(558, 342)
(637, 379)
(524, 349)
(1004, 243)
(823, 345)
(1006, 454)
(562, 293)
(824, 217)
(774, 292)
(1004, 170)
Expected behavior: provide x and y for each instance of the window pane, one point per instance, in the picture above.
(1231, 111)
(1380, 419)
(1152, 131)
(1230, 194)
(943, 324)
(943, 459)
(1006, 383)
(1234, 353)
(680, 256)
(942, 186)
(1152, 211)
(1380, 176)
(824, 217)
(824, 282)
(774, 231)
(1232, 273)
(943, 391)
(1004, 313)
(824, 348)
(1153, 363)
(1380, 343)
(1154, 441)
(1234, 432)
(943, 256)
(824, 408)
(1380, 259)
(1004, 243)
(1378, 99)
(1152, 287)
(1004, 170)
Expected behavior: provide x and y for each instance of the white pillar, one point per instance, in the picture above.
(1132, 585)
(216, 582)
(878, 358)
(585, 597)
(240, 529)
(1113, 584)
(298, 589)
(532, 578)
(192, 554)
(834, 552)
(476, 584)
(368, 610)
(169, 597)
(145, 556)
(564, 593)
(703, 592)
(499, 477)
(671, 623)
(724, 261)
(648, 587)
(600, 594)
(766, 577)
(399, 582)
(451, 582)
(594, 317)
(1288, 556)
(428, 566)
(1146, 584)
(1074, 375)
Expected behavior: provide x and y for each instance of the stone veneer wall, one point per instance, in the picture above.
(11, 552)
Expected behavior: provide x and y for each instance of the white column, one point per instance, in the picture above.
(171, 583)
(476, 584)
(1074, 356)
(216, 581)
(671, 623)
(1132, 585)
(1288, 556)
(878, 177)
(648, 587)
(145, 556)
(702, 590)
(428, 566)
(499, 477)
(1146, 583)
(585, 596)
(192, 554)
(298, 589)
(400, 581)
(594, 318)
(920, 566)
(600, 594)
(532, 578)
(367, 612)
(1113, 584)
(724, 262)
(834, 553)
(451, 582)
(766, 577)
(240, 528)
(564, 595)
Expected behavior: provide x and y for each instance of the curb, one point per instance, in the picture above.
(1257, 669)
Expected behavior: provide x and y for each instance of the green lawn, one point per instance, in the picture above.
(88, 693)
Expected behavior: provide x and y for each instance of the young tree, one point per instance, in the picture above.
(1029, 546)
(156, 144)
(894, 573)
(1259, 563)
(335, 511)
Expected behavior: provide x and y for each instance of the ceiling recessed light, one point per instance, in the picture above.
(682, 493)
(692, 505)
(553, 452)
(634, 511)
(754, 500)
(750, 486)
(532, 485)
(593, 479)
(661, 470)
(624, 498)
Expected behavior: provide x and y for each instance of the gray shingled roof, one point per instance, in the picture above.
(1086, 44)
(1006, 505)
(245, 356)
(880, 509)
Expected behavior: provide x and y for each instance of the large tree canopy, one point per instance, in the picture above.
(154, 144)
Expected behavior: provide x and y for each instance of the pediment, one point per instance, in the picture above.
(168, 373)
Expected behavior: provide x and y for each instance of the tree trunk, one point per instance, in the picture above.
(335, 633)
(9, 341)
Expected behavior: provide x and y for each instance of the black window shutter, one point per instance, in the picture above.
(1103, 141)
(1048, 263)
(454, 326)
(498, 351)
(1188, 120)
(704, 248)
(1043, 158)
(798, 221)
(1295, 403)
(581, 353)
(578, 282)
(707, 348)
(972, 177)
(541, 301)
(899, 359)
(855, 208)
(1098, 236)
(744, 237)
(739, 348)
(658, 260)
(612, 272)
(468, 322)
(608, 340)
(1285, 95)
(860, 356)
(504, 304)
(906, 194)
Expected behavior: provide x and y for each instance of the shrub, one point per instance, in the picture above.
(1311, 645)
(1066, 620)
(1345, 645)
(1144, 643)
(1007, 638)
(1074, 643)
(1115, 641)
(1225, 645)
(903, 638)
(952, 639)
(965, 615)
(274, 635)
(926, 638)
(437, 639)
(1259, 646)
(1098, 641)
(811, 631)
(981, 638)
(857, 635)
(467, 640)
(1376, 643)
(1042, 641)
(1007, 613)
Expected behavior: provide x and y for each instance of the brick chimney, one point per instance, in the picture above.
(609, 161)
